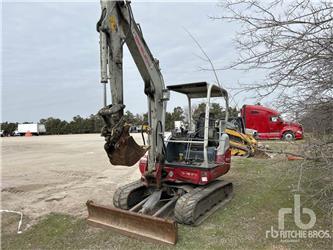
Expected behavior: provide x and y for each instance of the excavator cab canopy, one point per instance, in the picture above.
(201, 90)
(205, 133)
(198, 90)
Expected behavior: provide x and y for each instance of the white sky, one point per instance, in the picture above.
(50, 56)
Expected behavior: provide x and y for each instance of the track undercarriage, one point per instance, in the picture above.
(152, 214)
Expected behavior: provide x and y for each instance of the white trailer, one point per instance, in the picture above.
(33, 128)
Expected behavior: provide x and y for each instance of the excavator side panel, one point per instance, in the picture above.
(133, 224)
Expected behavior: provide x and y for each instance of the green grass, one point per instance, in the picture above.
(261, 188)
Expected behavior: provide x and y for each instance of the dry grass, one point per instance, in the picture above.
(262, 187)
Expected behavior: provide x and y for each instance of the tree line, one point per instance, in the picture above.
(313, 120)
(94, 123)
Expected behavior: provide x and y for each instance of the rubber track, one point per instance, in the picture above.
(186, 205)
(121, 195)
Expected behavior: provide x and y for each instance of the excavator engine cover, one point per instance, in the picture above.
(119, 146)
(133, 224)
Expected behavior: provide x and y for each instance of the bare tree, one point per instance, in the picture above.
(292, 41)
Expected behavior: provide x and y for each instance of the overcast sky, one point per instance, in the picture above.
(50, 56)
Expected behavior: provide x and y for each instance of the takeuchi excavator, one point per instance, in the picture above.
(180, 175)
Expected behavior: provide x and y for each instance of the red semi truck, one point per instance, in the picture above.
(269, 123)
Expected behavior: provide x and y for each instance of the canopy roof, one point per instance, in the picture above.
(198, 90)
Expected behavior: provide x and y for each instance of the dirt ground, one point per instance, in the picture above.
(43, 174)
(50, 178)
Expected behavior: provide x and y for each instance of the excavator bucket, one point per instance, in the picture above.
(133, 224)
(126, 152)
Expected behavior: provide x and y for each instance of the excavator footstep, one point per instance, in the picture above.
(137, 225)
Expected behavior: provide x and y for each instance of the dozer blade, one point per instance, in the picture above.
(126, 152)
(133, 224)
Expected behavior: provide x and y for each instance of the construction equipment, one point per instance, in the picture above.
(241, 143)
(179, 180)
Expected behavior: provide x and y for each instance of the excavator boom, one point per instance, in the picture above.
(118, 27)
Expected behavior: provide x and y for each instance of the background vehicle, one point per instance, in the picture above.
(179, 180)
(269, 123)
(241, 143)
(33, 128)
(16, 133)
(135, 129)
(179, 126)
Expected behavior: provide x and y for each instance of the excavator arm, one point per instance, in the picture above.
(118, 27)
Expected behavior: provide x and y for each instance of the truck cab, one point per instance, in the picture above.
(269, 123)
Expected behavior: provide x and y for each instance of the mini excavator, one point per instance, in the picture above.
(180, 175)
